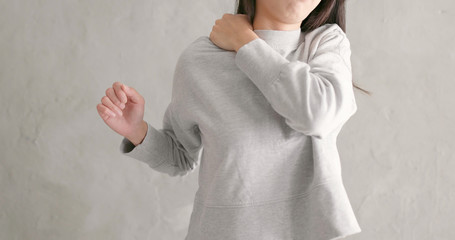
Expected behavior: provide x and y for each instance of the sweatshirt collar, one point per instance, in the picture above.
(281, 39)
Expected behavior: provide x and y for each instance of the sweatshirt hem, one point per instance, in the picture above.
(324, 213)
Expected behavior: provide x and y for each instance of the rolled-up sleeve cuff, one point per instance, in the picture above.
(152, 150)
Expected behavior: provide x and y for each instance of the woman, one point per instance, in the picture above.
(265, 103)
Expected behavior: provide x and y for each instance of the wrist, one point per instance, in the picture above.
(245, 38)
(138, 134)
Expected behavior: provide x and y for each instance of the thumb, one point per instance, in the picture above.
(131, 93)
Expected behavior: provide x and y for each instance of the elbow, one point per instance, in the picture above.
(315, 123)
(317, 130)
(322, 124)
(310, 128)
(183, 166)
(175, 171)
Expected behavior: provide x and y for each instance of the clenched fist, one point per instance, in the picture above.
(122, 109)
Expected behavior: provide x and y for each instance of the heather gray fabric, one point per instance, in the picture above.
(266, 121)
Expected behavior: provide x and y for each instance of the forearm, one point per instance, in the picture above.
(163, 152)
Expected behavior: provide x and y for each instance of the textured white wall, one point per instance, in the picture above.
(61, 173)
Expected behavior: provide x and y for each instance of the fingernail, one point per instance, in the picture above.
(122, 105)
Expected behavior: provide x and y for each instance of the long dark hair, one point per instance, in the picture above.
(328, 11)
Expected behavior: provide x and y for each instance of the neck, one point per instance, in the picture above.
(281, 39)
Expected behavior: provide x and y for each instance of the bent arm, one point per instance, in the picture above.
(315, 97)
(171, 150)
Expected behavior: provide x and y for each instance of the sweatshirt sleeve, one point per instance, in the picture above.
(316, 97)
(171, 150)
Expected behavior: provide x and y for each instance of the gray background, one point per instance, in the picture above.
(62, 175)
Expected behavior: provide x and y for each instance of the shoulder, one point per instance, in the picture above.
(202, 51)
(202, 45)
(198, 42)
(328, 34)
(328, 28)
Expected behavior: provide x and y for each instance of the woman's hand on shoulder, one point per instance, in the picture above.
(232, 31)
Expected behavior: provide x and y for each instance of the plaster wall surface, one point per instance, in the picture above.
(62, 175)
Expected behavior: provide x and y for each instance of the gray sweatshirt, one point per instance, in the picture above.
(261, 124)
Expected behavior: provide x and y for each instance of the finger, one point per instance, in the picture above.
(104, 112)
(113, 97)
(132, 94)
(120, 93)
(108, 103)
